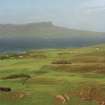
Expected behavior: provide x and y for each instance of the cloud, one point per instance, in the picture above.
(92, 6)
(95, 10)
(94, 3)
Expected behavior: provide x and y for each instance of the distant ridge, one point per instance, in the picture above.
(45, 35)
(41, 29)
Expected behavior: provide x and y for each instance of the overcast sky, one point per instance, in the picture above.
(81, 14)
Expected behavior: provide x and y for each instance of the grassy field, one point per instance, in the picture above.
(39, 77)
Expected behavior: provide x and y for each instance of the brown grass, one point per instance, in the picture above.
(78, 67)
(92, 93)
(88, 59)
(14, 95)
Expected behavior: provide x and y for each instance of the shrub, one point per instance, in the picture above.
(62, 62)
(16, 76)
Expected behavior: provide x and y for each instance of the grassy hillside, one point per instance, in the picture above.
(44, 29)
(37, 77)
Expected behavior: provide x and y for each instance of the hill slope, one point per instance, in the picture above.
(41, 29)
(45, 35)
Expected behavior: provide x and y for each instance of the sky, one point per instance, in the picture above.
(76, 14)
